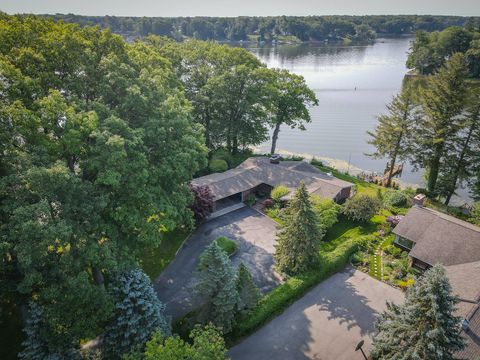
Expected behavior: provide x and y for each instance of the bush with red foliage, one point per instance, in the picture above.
(202, 205)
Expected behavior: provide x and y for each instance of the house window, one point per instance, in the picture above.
(405, 243)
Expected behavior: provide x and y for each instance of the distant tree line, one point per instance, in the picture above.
(304, 28)
(430, 50)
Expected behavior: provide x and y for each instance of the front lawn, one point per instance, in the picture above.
(154, 260)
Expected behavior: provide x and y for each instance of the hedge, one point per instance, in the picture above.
(217, 165)
(277, 300)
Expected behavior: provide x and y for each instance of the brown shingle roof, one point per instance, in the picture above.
(440, 238)
(257, 170)
(472, 338)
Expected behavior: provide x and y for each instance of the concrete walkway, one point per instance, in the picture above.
(255, 236)
(326, 324)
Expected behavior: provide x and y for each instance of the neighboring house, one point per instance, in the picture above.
(257, 175)
(433, 237)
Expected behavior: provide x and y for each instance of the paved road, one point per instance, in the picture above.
(255, 236)
(326, 324)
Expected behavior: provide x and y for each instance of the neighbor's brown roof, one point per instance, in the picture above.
(472, 337)
(257, 170)
(440, 238)
(465, 282)
(444, 239)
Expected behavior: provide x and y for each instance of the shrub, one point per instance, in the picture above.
(217, 165)
(268, 203)
(316, 162)
(475, 214)
(250, 200)
(223, 154)
(207, 343)
(227, 245)
(395, 198)
(138, 314)
(278, 192)
(202, 205)
(361, 207)
(394, 220)
(392, 250)
(327, 211)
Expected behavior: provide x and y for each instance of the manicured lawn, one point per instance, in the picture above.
(154, 260)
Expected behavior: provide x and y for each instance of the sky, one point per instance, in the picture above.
(169, 8)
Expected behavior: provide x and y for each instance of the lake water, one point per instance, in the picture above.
(352, 84)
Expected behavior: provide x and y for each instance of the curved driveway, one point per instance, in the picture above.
(255, 236)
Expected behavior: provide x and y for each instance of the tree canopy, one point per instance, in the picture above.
(98, 147)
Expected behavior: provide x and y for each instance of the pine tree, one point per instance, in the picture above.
(424, 326)
(392, 135)
(217, 286)
(299, 238)
(443, 101)
(138, 314)
(34, 346)
(463, 154)
(248, 292)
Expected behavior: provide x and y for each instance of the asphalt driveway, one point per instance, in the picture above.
(326, 324)
(255, 236)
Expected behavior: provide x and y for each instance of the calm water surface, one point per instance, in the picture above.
(353, 84)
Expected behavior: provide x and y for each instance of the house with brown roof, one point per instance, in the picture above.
(257, 175)
(433, 237)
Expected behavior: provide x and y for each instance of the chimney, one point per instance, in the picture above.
(419, 200)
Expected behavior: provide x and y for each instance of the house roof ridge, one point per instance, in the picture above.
(450, 218)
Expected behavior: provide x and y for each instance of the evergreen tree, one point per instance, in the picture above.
(443, 101)
(392, 135)
(217, 286)
(34, 345)
(424, 326)
(248, 292)
(299, 238)
(138, 314)
(463, 151)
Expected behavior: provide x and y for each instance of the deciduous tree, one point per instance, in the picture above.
(290, 102)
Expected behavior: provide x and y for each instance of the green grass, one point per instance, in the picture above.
(154, 260)
(227, 245)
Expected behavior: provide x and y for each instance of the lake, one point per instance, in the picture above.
(353, 84)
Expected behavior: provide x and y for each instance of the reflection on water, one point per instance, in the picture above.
(353, 84)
